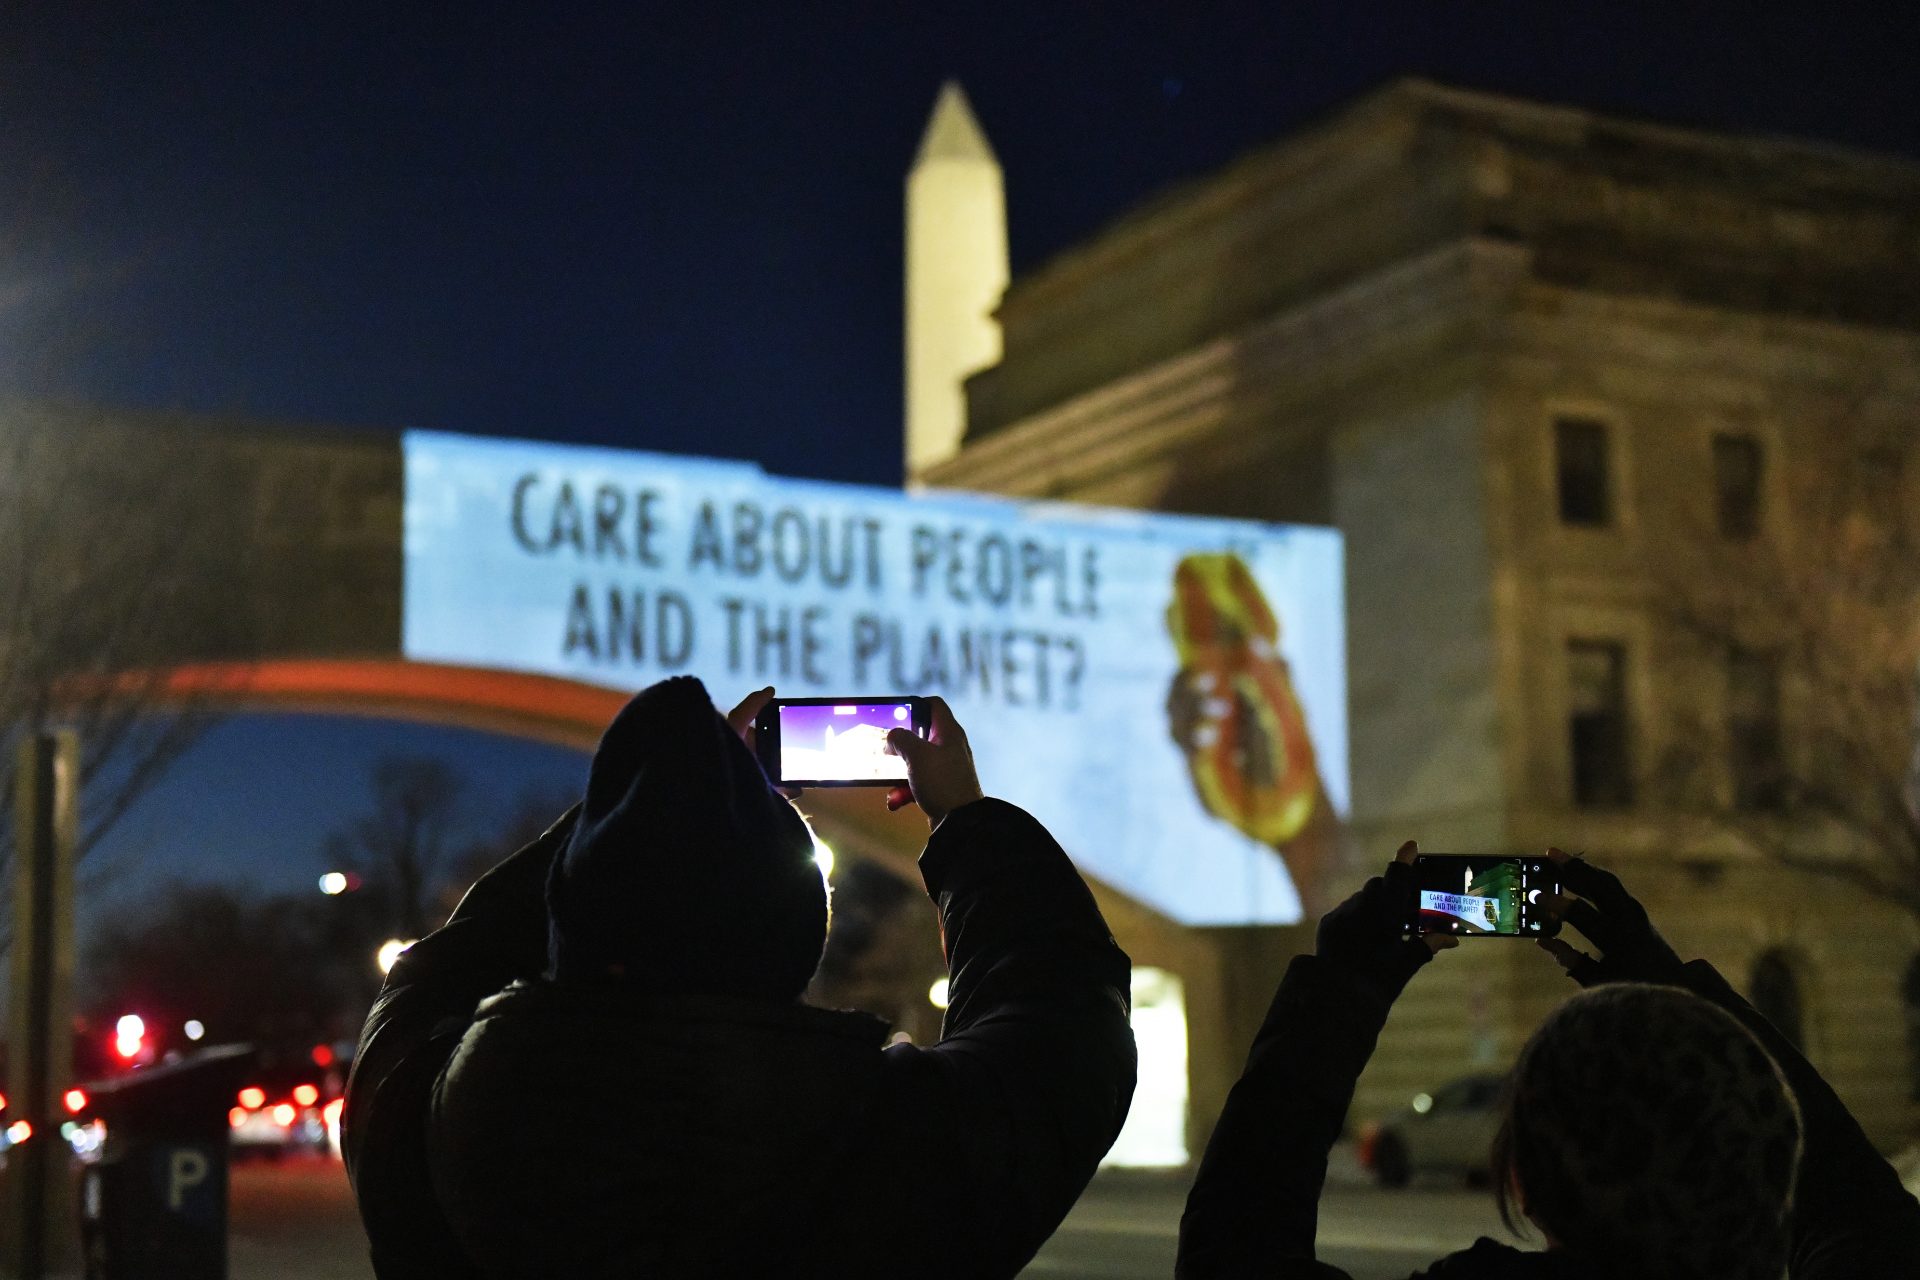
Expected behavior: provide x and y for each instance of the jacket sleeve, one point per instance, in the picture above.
(1255, 1204)
(497, 934)
(1034, 1071)
(1851, 1217)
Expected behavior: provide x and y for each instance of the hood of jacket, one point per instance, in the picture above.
(589, 1130)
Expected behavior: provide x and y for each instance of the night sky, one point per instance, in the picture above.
(675, 227)
(678, 226)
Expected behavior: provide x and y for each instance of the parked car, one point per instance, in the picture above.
(1448, 1132)
(273, 1119)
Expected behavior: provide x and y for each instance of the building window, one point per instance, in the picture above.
(1776, 994)
(1597, 723)
(1586, 481)
(1754, 752)
(1910, 1005)
(1737, 471)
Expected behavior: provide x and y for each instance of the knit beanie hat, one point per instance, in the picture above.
(685, 871)
(1651, 1134)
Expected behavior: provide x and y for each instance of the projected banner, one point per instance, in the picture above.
(1166, 693)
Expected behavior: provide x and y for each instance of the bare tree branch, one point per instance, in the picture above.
(399, 847)
(114, 569)
(1831, 594)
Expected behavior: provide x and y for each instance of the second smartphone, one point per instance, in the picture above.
(1474, 896)
(835, 742)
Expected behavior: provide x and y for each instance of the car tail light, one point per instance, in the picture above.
(237, 1116)
(305, 1094)
(130, 1036)
(1369, 1139)
(76, 1100)
(253, 1098)
(283, 1115)
(333, 1110)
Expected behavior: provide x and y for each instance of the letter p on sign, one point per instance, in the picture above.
(186, 1169)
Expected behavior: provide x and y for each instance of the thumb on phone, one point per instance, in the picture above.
(908, 745)
(940, 774)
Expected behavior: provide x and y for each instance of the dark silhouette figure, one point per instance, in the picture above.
(640, 1090)
(1654, 1127)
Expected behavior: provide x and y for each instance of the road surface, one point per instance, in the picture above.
(295, 1221)
(1127, 1226)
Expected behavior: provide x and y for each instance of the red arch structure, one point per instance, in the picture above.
(574, 714)
(567, 713)
(564, 712)
(570, 713)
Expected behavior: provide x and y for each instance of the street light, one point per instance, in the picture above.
(334, 882)
(390, 952)
(195, 1028)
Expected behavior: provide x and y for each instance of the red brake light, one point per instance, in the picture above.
(253, 1097)
(76, 1100)
(1369, 1139)
(305, 1094)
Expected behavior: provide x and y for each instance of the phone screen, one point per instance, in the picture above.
(1470, 896)
(841, 741)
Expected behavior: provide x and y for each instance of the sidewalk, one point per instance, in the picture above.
(295, 1221)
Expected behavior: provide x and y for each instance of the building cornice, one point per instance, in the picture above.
(1192, 399)
(1378, 126)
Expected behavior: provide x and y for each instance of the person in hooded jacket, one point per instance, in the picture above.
(602, 1066)
(1655, 1127)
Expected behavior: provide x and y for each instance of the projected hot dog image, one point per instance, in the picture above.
(1234, 713)
(842, 741)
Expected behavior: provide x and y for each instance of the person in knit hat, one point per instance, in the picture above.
(1654, 1127)
(685, 870)
(1646, 1126)
(603, 1065)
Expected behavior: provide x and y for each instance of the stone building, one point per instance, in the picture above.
(1513, 352)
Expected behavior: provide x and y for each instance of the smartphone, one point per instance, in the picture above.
(835, 742)
(1474, 896)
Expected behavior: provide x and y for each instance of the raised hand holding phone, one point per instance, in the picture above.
(1631, 949)
(940, 772)
(1366, 934)
(744, 720)
(741, 718)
